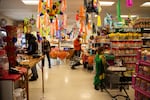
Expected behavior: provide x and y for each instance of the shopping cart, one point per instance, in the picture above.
(74, 60)
(122, 80)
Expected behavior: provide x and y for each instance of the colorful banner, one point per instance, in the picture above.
(99, 21)
(129, 3)
(118, 11)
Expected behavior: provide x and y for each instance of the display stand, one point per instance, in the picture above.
(141, 79)
(8, 83)
(29, 63)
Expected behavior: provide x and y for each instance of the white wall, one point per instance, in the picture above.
(9, 21)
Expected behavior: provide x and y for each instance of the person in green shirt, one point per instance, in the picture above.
(100, 69)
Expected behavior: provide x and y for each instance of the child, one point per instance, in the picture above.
(100, 69)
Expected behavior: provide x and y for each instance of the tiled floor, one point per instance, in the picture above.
(63, 83)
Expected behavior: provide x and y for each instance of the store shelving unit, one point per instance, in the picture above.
(141, 80)
(127, 51)
(146, 38)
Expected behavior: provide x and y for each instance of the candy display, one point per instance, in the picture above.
(142, 23)
(125, 46)
(141, 79)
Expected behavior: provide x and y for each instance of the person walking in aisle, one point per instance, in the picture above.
(32, 49)
(45, 50)
(100, 69)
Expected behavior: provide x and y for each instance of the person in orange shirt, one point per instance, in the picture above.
(77, 50)
(77, 46)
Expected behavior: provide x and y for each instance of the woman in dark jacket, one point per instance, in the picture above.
(32, 49)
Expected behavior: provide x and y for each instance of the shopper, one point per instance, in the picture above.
(77, 46)
(32, 49)
(91, 41)
(45, 51)
(91, 44)
(77, 51)
(100, 72)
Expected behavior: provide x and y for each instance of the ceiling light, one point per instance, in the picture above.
(126, 16)
(30, 2)
(146, 4)
(106, 3)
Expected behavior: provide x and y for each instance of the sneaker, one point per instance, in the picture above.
(96, 87)
(73, 67)
(33, 78)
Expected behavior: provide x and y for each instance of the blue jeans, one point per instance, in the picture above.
(34, 72)
(48, 58)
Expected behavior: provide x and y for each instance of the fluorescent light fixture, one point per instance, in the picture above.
(30, 2)
(126, 16)
(146, 4)
(106, 3)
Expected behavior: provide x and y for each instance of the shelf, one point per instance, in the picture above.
(130, 62)
(143, 77)
(127, 55)
(7, 76)
(126, 47)
(145, 63)
(145, 46)
(134, 40)
(102, 43)
(142, 91)
(146, 38)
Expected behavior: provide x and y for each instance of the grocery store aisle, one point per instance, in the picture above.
(63, 83)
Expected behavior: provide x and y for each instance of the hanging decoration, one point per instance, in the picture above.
(77, 16)
(108, 21)
(32, 20)
(52, 29)
(91, 6)
(64, 6)
(40, 6)
(28, 23)
(84, 35)
(51, 11)
(118, 11)
(95, 3)
(64, 19)
(89, 25)
(49, 3)
(38, 22)
(81, 18)
(129, 3)
(99, 21)
(56, 24)
(48, 16)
